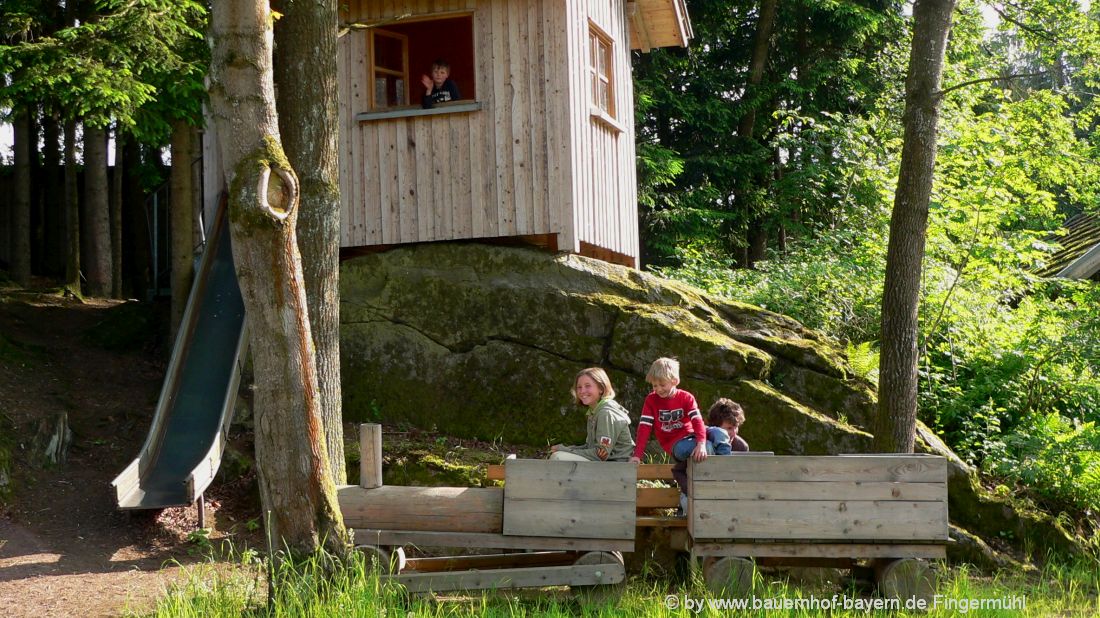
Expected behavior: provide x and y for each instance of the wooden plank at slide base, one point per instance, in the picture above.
(590, 519)
(486, 540)
(569, 499)
(505, 579)
(818, 490)
(529, 479)
(656, 521)
(453, 509)
(818, 520)
(491, 561)
(888, 468)
(648, 472)
(820, 550)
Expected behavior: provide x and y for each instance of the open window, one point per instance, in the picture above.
(403, 51)
(601, 71)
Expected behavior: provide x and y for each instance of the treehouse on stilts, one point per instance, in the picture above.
(538, 149)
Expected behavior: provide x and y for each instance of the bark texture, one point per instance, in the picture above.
(96, 213)
(296, 486)
(72, 212)
(180, 223)
(116, 218)
(53, 258)
(21, 214)
(305, 53)
(895, 424)
(757, 236)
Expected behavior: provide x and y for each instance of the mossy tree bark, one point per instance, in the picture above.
(895, 424)
(305, 53)
(296, 486)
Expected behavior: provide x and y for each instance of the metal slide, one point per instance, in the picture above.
(182, 453)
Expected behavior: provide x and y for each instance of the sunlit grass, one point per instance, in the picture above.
(353, 589)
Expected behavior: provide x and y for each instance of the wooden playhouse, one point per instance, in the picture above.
(539, 148)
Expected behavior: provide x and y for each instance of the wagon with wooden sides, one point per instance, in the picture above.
(559, 524)
(568, 523)
(884, 513)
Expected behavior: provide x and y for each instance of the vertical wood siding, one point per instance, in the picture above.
(530, 161)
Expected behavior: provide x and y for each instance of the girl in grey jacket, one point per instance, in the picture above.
(609, 437)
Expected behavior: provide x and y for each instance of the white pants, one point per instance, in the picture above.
(566, 456)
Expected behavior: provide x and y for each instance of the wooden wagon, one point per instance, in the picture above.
(568, 523)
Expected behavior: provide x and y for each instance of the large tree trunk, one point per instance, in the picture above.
(116, 217)
(96, 223)
(135, 251)
(53, 215)
(21, 214)
(181, 246)
(72, 213)
(757, 236)
(895, 424)
(305, 46)
(296, 484)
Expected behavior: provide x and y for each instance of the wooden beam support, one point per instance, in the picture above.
(444, 509)
(505, 579)
(492, 561)
(370, 455)
(486, 541)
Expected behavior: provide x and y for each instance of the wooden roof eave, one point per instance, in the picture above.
(658, 23)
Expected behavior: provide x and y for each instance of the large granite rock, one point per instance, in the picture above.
(483, 341)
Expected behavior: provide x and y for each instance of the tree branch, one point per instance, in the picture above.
(990, 79)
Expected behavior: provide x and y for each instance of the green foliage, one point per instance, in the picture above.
(1009, 366)
(137, 62)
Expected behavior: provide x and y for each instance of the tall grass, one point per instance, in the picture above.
(314, 589)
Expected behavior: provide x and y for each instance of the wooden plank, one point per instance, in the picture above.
(458, 217)
(486, 540)
(820, 550)
(506, 579)
(658, 497)
(648, 472)
(406, 179)
(569, 480)
(893, 468)
(387, 181)
(519, 142)
(502, 109)
(487, 39)
(818, 520)
(590, 519)
(441, 189)
(491, 561)
(655, 521)
(425, 193)
(536, 140)
(394, 507)
(817, 490)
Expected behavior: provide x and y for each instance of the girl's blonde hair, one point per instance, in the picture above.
(597, 375)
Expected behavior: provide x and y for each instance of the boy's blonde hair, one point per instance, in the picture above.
(597, 375)
(667, 369)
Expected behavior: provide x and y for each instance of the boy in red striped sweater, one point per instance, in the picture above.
(680, 429)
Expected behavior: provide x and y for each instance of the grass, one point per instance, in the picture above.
(310, 589)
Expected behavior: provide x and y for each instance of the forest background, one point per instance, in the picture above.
(766, 175)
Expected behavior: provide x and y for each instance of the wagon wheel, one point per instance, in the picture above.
(906, 578)
(728, 576)
(602, 593)
(389, 559)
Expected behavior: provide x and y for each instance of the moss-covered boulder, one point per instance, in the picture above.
(482, 341)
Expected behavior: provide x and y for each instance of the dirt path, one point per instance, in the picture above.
(64, 549)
